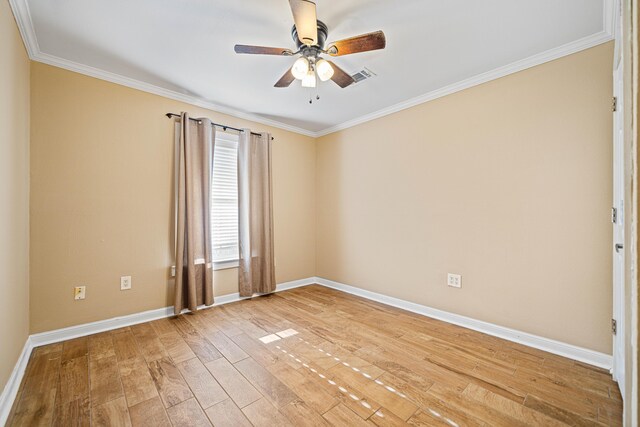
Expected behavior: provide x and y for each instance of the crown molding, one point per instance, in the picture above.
(609, 16)
(22, 14)
(45, 58)
(532, 61)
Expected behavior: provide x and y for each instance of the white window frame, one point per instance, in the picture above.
(233, 139)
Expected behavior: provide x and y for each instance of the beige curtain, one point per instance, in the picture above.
(194, 262)
(255, 215)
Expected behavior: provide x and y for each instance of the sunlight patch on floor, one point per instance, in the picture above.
(290, 332)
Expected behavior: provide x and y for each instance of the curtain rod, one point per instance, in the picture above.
(224, 127)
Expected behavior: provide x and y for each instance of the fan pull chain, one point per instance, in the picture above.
(311, 98)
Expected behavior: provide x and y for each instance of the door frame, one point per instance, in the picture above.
(618, 255)
(619, 367)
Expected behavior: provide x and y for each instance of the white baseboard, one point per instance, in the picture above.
(556, 347)
(10, 391)
(552, 346)
(64, 334)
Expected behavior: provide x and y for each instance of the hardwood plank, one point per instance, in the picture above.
(380, 392)
(105, 380)
(270, 387)
(509, 407)
(261, 413)
(188, 414)
(343, 393)
(256, 349)
(435, 417)
(113, 413)
(232, 381)
(206, 390)
(47, 349)
(74, 413)
(169, 383)
(300, 414)
(205, 351)
(148, 342)
(163, 326)
(74, 380)
(40, 385)
(409, 369)
(610, 415)
(383, 418)
(125, 345)
(575, 400)
(101, 345)
(75, 348)
(136, 381)
(227, 414)
(150, 413)
(176, 347)
(418, 396)
(475, 409)
(220, 318)
(560, 414)
(340, 415)
(227, 347)
(325, 359)
(309, 391)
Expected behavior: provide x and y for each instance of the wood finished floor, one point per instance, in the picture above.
(353, 362)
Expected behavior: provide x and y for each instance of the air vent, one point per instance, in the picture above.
(363, 74)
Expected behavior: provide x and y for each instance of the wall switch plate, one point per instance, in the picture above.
(173, 271)
(454, 280)
(79, 292)
(125, 283)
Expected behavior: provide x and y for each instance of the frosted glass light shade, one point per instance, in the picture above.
(300, 68)
(324, 69)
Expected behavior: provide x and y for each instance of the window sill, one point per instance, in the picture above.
(225, 265)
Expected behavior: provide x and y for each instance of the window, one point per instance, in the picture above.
(224, 201)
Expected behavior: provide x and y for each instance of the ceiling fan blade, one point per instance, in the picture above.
(341, 77)
(304, 16)
(285, 80)
(363, 43)
(261, 50)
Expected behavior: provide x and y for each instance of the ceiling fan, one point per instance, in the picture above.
(310, 36)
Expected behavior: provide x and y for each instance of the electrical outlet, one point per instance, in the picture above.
(454, 280)
(79, 292)
(125, 283)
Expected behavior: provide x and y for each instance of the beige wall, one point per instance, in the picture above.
(14, 193)
(101, 199)
(507, 183)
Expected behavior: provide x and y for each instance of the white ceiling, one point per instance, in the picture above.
(184, 49)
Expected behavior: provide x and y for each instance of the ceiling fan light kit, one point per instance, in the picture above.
(324, 69)
(300, 68)
(310, 36)
(310, 79)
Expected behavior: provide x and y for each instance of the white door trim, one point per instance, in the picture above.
(618, 203)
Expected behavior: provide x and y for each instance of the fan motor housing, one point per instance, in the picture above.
(323, 31)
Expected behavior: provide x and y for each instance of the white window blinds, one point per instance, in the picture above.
(224, 197)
